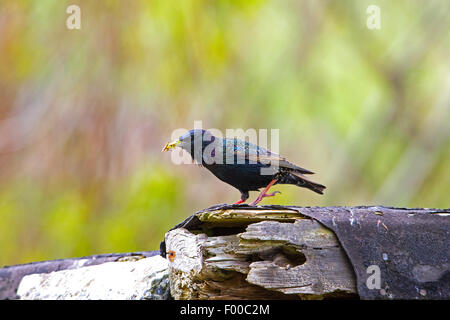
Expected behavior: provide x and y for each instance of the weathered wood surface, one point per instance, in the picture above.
(257, 254)
(275, 252)
(132, 278)
(10, 276)
(242, 252)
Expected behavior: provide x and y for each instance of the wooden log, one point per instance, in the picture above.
(257, 254)
(366, 252)
(11, 276)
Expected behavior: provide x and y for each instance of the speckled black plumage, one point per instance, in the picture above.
(245, 161)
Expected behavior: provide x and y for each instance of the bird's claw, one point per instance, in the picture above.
(271, 194)
(263, 196)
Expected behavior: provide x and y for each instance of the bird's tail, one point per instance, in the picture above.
(300, 180)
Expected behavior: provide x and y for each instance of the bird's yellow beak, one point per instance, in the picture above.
(170, 145)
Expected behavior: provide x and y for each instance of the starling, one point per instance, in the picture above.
(244, 165)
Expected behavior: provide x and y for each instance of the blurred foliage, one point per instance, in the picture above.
(84, 113)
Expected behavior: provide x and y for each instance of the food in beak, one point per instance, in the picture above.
(170, 145)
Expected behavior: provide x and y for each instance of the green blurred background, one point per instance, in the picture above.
(84, 113)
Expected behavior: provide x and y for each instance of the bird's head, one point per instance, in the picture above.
(192, 138)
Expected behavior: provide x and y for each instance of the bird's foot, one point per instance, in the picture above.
(261, 196)
(239, 201)
(271, 194)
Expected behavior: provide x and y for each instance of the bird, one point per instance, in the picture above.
(243, 165)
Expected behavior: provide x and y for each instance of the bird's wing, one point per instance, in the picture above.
(279, 161)
(252, 152)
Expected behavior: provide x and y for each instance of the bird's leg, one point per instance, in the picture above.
(264, 193)
(244, 197)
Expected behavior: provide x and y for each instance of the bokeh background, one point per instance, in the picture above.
(84, 113)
